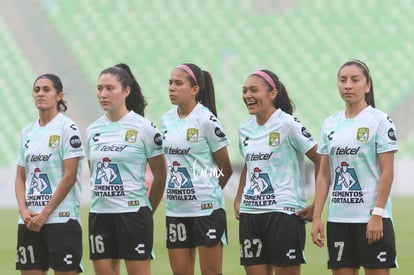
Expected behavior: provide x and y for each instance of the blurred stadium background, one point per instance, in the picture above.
(304, 42)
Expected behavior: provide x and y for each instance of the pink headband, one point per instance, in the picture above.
(267, 78)
(189, 71)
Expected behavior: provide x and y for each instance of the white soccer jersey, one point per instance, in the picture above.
(192, 187)
(42, 150)
(274, 155)
(118, 153)
(352, 146)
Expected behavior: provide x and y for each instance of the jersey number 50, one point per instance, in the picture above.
(177, 232)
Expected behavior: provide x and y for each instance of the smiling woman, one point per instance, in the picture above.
(272, 186)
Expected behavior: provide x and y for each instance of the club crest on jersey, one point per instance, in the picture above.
(363, 134)
(274, 139)
(192, 134)
(54, 141)
(131, 136)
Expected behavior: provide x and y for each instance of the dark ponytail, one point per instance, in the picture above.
(135, 101)
(204, 80)
(282, 100)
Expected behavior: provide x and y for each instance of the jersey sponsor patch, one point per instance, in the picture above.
(207, 205)
(158, 139)
(391, 134)
(180, 186)
(260, 192)
(133, 203)
(219, 132)
(40, 190)
(75, 141)
(347, 188)
(64, 214)
(305, 132)
(108, 181)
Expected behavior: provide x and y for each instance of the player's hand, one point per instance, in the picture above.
(317, 233)
(37, 222)
(306, 213)
(237, 209)
(374, 230)
(27, 215)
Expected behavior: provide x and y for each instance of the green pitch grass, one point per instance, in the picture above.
(316, 257)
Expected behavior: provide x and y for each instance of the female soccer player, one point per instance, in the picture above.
(357, 168)
(48, 186)
(198, 167)
(119, 146)
(271, 199)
